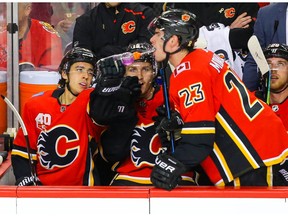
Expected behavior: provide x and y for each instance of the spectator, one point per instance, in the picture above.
(277, 58)
(239, 16)
(42, 11)
(59, 129)
(225, 29)
(39, 44)
(65, 26)
(108, 28)
(270, 27)
(233, 142)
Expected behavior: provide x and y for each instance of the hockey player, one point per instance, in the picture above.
(142, 144)
(235, 137)
(59, 128)
(277, 58)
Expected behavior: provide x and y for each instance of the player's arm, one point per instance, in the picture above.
(112, 103)
(116, 140)
(21, 167)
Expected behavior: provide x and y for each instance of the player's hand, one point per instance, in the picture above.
(162, 122)
(165, 126)
(118, 106)
(130, 87)
(167, 172)
(28, 181)
(108, 67)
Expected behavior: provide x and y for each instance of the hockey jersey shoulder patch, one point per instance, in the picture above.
(49, 28)
(182, 67)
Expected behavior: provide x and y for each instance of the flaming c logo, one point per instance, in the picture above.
(229, 13)
(128, 27)
(185, 17)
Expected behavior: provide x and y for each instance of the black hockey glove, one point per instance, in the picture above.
(28, 181)
(167, 172)
(165, 126)
(110, 74)
(108, 67)
(105, 109)
(162, 122)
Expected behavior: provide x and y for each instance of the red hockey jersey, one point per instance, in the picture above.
(145, 145)
(281, 111)
(220, 112)
(41, 46)
(59, 137)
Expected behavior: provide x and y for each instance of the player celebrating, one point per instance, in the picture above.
(59, 128)
(235, 137)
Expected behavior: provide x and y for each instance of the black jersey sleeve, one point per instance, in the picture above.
(116, 140)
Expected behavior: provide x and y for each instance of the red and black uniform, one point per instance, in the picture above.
(59, 138)
(40, 46)
(281, 111)
(227, 129)
(145, 145)
(107, 32)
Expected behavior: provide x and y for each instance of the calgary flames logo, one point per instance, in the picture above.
(145, 145)
(185, 17)
(229, 13)
(128, 27)
(56, 149)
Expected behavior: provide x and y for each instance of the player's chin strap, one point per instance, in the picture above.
(168, 54)
(69, 89)
(278, 92)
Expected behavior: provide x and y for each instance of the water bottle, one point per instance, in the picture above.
(128, 58)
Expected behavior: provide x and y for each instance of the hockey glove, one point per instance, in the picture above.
(105, 109)
(108, 67)
(28, 181)
(162, 122)
(167, 172)
(110, 74)
(165, 126)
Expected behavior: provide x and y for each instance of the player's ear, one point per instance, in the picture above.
(64, 74)
(174, 42)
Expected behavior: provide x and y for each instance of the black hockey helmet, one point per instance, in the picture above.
(276, 50)
(77, 54)
(177, 22)
(148, 51)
